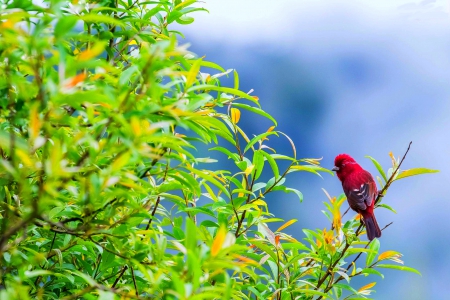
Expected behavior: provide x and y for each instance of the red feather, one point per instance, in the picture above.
(360, 189)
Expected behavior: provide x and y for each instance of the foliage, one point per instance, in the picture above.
(103, 192)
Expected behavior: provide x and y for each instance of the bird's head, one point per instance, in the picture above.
(344, 164)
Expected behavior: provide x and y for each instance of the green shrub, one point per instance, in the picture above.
(103, 193)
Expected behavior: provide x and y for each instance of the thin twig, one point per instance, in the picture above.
(134, 281)
(124, 268)
(391, 179)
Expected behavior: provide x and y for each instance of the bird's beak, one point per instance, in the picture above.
(335, 169)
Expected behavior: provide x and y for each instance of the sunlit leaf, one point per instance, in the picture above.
(367, 286)
(387, 207)
(374, 247)
(413, 172)
(255, 110)
(388, 254)
(218, 240)
(287, 224)
(379, 168)
(235, 115)
(193, 72)
(397, 267)
(92, 52)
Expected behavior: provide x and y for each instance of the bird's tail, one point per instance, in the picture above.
(373, 231)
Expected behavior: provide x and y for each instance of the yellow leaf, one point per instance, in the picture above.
(354, 268)
(367, 286)
(120, 161)
(244, 259)
(319, 243)
(24, 157)
(8, 24)
(271, 128)
(328, 236)
(35, 122)
(260, 202)
(387, 254)
(288, 223)
(243, 134)
(136, 126)
(394, 162)
(204, 112)
(92, 52)
(235, 115)
(249, 169)
(218, 241)
(337, 218)
(192, 75)
(256, 98)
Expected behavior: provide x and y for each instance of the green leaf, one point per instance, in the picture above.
(397, 267)
(98, 18)
(209, 64)
(378, 166)
(311, 168)
(256, 111)
(258, 138)
(258, 162)
(126, 75)
(387, 207)
(346, 287)
(265, 248)
(236, 80)
(233, 156)
(208, 223)
(232, 91)
(371, 271)
(64, 25)
(272, 163)
(35, 273)
(256, 292)
(311, 292)
(352, 251)
(191, 235)
(413, 172)
(297, 192)
(374, 247)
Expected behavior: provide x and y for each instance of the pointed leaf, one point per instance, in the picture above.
(367, 286)
(256, 111)
(287, 224)
(378, 166)
(397, 267)
(374, 247)
(413, 172)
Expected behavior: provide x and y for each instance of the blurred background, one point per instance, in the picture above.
(359, 77)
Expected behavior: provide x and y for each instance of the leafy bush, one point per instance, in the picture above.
(103, 192)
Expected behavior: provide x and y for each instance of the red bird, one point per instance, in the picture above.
(360, 189)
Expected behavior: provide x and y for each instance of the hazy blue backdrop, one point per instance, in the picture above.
(361, 78)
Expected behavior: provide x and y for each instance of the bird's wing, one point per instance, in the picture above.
(361, 191)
